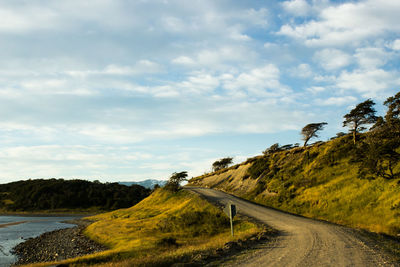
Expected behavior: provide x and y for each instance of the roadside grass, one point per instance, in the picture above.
(162, 229)
(319, 181)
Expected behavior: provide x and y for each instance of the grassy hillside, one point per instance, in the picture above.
(164, 228)
(320, 181)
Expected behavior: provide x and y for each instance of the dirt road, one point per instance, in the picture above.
(303, 242)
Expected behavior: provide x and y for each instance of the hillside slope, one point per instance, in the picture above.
(163, 229)
(320, 181)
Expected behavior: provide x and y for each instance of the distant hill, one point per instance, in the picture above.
(149, 183)
(61, 195)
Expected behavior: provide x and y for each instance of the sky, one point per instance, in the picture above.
(117, 90)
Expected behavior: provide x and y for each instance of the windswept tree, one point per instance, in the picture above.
(175, 180)
(222, 164)
(378, 154)
(310, 131)
(361, 115)
(392, 117)
(272, 149)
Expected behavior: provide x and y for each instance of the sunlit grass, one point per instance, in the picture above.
(164, 228)
(320, 182)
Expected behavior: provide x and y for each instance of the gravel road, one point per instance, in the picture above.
(303, 241)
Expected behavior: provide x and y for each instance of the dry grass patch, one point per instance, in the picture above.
(164, 228)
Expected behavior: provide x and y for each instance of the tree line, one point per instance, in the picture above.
(52, 194)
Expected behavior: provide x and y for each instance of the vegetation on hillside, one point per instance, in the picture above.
(174, 182)
(352, 179)
(165, 228)
(222, 164)
(59, 194)
(311, 131)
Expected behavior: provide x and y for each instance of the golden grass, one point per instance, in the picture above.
(146, 233)
(321, 182)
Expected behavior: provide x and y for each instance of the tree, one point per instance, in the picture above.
(221, 164)
(362, 114)
(175, 180)
(392, 116)
(377, 156)
(272, 149)
(310, 131)
(378, 153)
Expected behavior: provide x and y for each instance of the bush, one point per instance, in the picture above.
(272, 149)
(167, 242)
(258, 167)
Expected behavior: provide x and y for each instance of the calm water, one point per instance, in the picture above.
(11, 236)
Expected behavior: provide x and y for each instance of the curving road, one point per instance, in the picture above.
(303, 242)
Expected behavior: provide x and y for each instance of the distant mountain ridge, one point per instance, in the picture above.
(149, 183)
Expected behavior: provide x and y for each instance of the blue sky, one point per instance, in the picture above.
(128, 90)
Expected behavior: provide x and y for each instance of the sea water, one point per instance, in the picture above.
(32, 226)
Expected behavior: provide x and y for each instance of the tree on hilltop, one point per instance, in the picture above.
(310, 131)
(175, 180)
(361, 115)
(392, 117)
(272, 149)
(222, 164)
(378, 154)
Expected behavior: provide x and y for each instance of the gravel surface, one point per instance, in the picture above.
(57, 245)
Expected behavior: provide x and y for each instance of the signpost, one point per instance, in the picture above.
(230, 210)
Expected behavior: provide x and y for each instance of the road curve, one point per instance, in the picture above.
(303, 242)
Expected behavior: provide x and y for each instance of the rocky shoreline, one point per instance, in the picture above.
(57, 245)
(68, 243)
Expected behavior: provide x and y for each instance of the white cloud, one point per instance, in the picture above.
(297, 7)
(140, 67)
(371, 57)
(370, 83)
(336, 101)
(325, 78)
(74, 161)
(269, 45)
(165, 91)
(199, 83)
(223, 55)
(51, 86)
(26, 18)
(237, 35)
(348, 23)
(302, 70)
(183, 60)
(316, 89)
(395, 45)
(116, 135)
(148, 73)
(221, 58)
(261, 82)
(257, 17)
(332, 59)
(173, 24)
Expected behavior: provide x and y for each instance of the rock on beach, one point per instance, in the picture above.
(57, 245)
